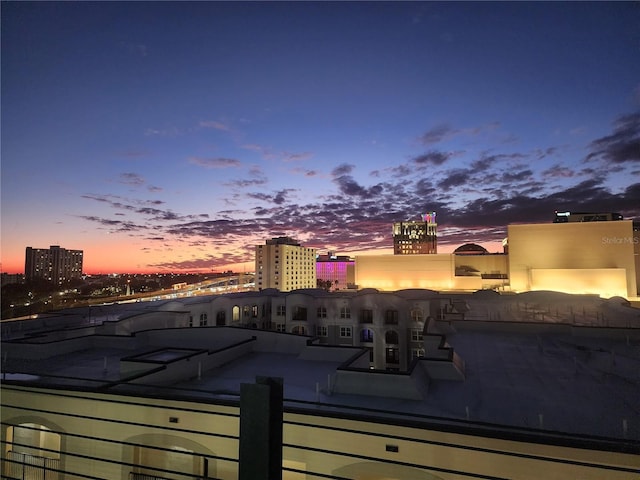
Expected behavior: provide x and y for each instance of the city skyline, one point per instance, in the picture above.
(177, 136)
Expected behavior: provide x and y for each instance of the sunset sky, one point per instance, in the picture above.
(166, 137)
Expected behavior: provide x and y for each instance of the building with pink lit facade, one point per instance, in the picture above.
(337, 269)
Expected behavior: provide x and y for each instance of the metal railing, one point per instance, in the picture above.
(31, 467)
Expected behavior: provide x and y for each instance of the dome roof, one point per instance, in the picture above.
(469, 248)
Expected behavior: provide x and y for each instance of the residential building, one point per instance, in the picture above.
(337, 270)
(416, 237)
(143, 392)
(55, 264)
(282, 263)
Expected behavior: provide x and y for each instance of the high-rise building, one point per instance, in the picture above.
(55, 264)
(416, 237)
(284, 264)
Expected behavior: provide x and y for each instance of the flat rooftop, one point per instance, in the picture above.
(578, 381)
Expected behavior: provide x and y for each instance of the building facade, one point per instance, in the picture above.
(337, 270)
(282, 263)
(416, 237)
(580, 257)
(54, 264)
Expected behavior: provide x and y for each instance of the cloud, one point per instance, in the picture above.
(437, 134)
(215, 125)
(132, 179)
(433, 158)
(219, 162)
(296, 157)
(558, 171)
(623, 145)
(343, 169)
(455, 178)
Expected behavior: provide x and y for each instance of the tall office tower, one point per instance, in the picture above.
(416, 237)
(284, 264)
(55, 264)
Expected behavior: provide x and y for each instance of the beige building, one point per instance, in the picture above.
(575, 257)
(283, 264)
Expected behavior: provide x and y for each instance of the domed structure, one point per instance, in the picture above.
(470, 249)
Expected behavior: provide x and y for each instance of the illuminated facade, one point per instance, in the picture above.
(55, 264)
(416, 237)
(574, 257)
(595, 257)
(337, 269)
(284, 264)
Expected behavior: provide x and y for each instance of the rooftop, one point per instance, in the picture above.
(556, 379)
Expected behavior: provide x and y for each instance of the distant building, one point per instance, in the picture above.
(593, 257)
(567, 217)
(284, 264)
(55, 264)
(337, 269)
(416, 237)
(12, 278)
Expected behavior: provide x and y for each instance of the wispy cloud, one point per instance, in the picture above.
(219, 162)
(215, 125)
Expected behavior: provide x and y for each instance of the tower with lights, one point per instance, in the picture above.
(416, 237)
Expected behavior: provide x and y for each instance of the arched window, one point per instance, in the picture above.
(366, 335)
(391, 337)
(235, 313)
(32, 449)
(417, 315)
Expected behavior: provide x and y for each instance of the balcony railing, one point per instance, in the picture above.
(31, 467)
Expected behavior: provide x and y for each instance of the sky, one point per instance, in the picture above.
(176, 136)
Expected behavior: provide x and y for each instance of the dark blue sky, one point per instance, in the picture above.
(176, 135)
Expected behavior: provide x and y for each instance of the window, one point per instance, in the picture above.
(391, 317)
(221, 318)
(391, 337)
(321, 331)
(254, 311)
(280, 327)
(246, 311)
(392, 355)
(345, 332)
(322, 312)
(203, 319)
(366, 316)
(281, 310)
(417, 353)
(235, 313)
(366, 335)
(345, 312)
(299, 313)
(299, 330)
(416, 335)
(416, 315)
(191, 320)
